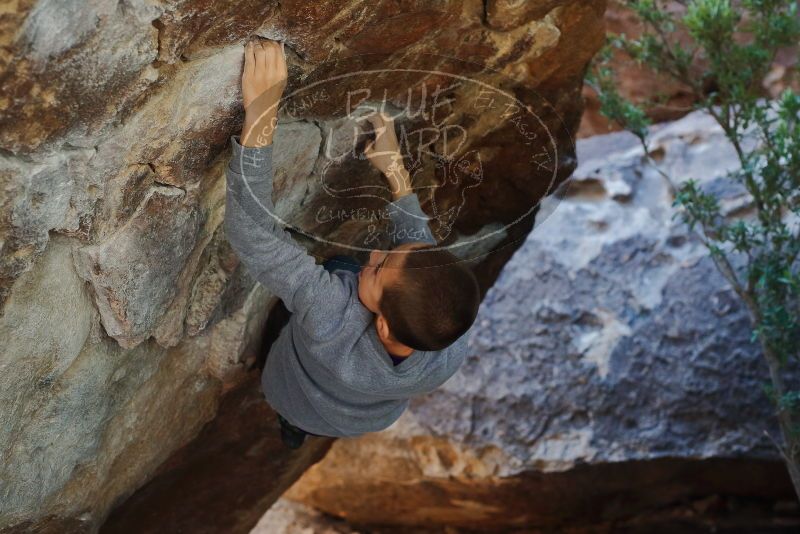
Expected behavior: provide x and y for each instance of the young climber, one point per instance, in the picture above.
(357, 346)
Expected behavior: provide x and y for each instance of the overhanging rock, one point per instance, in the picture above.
(125, 319)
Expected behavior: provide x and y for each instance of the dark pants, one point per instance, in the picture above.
(279, 317)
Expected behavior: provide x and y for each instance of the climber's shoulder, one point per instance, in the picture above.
(333, 307)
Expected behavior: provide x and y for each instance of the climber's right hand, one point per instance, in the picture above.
(384, 149)
(263, 80)
(384, 154)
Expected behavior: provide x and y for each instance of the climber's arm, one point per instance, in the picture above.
(268, 252)
(407, 222)
(264, 247)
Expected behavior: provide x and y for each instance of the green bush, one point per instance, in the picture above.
(729, 50)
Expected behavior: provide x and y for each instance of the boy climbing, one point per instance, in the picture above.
(357, 346)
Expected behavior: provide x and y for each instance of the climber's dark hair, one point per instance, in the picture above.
(434, 301)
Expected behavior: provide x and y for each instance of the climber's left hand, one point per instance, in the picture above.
(263, 81)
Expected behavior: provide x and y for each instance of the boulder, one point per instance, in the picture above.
(134, 273)
(291, 517)
(611, 374)
(128, 329)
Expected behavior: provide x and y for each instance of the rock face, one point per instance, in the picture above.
(611, 371)
(127, 326)
(237, 458)
(291, 517)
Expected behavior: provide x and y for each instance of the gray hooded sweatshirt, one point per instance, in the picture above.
(327, 372)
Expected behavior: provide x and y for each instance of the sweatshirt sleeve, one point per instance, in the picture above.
(407, 222)
(268, 252)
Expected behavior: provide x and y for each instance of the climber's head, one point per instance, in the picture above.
(424, 299)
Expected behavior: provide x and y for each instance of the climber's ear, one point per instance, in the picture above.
(383, 327)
